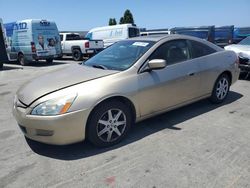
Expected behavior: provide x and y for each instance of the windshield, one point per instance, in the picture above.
(245, 41)
(119, 56)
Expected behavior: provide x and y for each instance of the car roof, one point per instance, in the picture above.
(159, 37)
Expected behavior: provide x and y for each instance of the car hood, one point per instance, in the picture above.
(241, 50)
(238, 47)
(57, 80)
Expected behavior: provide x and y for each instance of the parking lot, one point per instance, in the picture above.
(200, 145)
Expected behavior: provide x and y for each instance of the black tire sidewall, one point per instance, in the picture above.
(214, 98)
(49, 60)
(96, 115)
(21, 59)
(78, 53)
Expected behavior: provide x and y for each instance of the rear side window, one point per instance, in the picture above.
(173, 52)
(133, 32)
(199, 49)
(73, 37)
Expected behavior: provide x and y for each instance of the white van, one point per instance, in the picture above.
(114, 33)
(32, 39)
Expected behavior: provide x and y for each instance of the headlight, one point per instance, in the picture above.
(54, 106)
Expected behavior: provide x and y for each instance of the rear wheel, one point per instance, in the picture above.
(221, 89)
(77, 54)
(49, 60)
(109, 123)
(21, 60)
(1, 65)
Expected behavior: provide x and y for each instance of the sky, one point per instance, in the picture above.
(82, 15)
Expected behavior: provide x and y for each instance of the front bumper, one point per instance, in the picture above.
(57, 130)
(244, 67)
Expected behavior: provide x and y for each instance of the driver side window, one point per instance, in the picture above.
(173, 52)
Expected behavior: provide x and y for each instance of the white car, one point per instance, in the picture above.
(243, 51)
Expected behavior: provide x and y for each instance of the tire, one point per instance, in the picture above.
(104, 129)
(221, 89)
(49, 60)
(1, 65)
(77, 54)
(21, 60)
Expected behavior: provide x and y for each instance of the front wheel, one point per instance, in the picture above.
(109, 123)
(221, 89)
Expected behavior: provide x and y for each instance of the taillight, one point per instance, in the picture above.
(86, 44)
(33, 47)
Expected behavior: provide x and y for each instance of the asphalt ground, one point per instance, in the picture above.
(199, 145)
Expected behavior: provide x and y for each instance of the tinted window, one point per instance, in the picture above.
(173, 52)
(199, 49)
(72, 37)
(133, 32)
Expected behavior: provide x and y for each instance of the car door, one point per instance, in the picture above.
(207, 61)
(67, 43)
(177, 83)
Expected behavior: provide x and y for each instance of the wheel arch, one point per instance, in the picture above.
(119, 98)
(20, 53)
(229, 74)
(75, 47)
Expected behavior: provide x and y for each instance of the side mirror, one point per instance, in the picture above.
(155, 64)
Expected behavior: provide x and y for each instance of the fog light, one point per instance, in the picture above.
(40, 132)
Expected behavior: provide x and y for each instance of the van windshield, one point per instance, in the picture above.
(120, 56)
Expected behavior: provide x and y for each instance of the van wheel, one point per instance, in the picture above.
(221, 89)
(109, 123)
(1, 65)
(21, 60)
(77, 54)
(49, 60)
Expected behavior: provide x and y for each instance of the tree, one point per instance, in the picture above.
(121, 21)
(112, 21)
(128, 17)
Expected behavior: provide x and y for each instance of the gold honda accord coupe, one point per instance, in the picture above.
(131, 80)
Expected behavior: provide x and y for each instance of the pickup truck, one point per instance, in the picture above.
(78, 47)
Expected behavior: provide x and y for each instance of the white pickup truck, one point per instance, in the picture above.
(77, 47)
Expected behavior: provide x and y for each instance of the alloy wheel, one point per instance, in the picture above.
(222, 88)
(111, 125)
